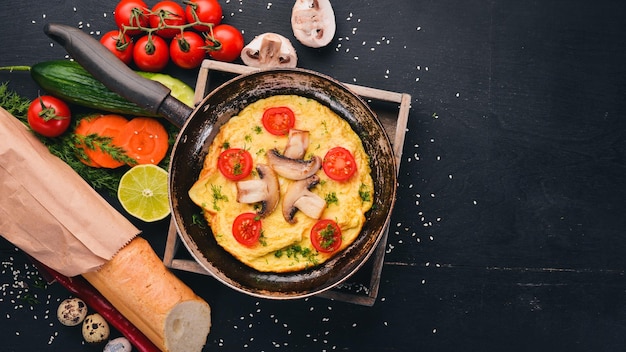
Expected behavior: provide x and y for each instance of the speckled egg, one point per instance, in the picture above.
(72, 311)
(95, 328)
(120, 344)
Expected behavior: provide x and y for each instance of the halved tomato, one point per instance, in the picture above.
(278, 120)
(235, 163)
(339, 164)
(326, 236)
(247, 228)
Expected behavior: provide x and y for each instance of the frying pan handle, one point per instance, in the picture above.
(115, 75)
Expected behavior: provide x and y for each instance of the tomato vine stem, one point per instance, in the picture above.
(212, 43)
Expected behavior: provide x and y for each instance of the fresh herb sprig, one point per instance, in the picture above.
(12, 102)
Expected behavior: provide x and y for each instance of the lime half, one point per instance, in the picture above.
(143, 192)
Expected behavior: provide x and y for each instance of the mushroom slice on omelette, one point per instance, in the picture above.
(297, 157)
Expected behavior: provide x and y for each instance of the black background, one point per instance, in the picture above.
(509, 229)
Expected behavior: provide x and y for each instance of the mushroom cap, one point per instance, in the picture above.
(313, 22)
(265, 190)
(310, 204)
(269, 50)
(293, 169)
(297, 144)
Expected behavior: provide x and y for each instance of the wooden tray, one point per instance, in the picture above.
(393, 111)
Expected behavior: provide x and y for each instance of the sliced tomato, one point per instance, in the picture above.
(235, 163)
(339, 164)
(326, 236)
(247, 228)
(278, 120)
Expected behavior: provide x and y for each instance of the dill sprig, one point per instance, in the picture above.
(12, 102)
(105, 144)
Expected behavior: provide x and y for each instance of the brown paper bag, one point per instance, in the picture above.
(48, 211)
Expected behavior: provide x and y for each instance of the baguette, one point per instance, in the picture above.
(141, 288)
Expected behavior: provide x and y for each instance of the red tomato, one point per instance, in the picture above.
(235, 163)
(247, 228)
(339, 164)
(151, 53)
(167, 13)
(205, 11)
(187, 50)
(226, 44)
(118, 44)
(326, 236)
(278, 120)
(131, 13)
(48, 116)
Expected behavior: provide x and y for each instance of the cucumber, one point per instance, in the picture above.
(70, 82)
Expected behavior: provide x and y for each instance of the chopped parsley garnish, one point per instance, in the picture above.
(325, 127)
(262, 239)
(237, 169)
(364, 193)
(217, 196)
(328, 236)
(297, 252)
(198, 220)
(331, 198)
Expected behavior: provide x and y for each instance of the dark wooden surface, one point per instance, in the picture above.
(509, 231)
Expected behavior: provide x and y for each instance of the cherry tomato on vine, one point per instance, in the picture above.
(151, 53)
(227, 42)
(48, 116)
(131, 13)
(339, 164)
(247, 228)
(187, 50)
(206, 11)
(118, 44)
(235, 163)
(278, 120)
(326, 236)
(167, 13)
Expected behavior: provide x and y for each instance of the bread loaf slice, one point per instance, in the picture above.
(140, 287)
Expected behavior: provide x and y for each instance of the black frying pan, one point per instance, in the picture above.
(198, 129)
